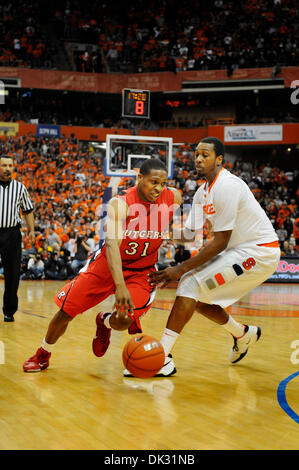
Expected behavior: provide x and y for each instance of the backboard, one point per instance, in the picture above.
(126, 153)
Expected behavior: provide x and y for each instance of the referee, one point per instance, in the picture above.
(13, 197)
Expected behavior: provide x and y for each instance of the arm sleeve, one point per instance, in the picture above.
(26, 203)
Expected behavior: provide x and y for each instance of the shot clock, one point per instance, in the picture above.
(136, 103)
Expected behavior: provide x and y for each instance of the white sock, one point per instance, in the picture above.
(235, 328)
(168, 340)
(46, 346)
(107, 320)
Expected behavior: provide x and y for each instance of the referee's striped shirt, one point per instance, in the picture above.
(13, 197)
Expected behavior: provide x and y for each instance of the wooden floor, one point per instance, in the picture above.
(84, 402)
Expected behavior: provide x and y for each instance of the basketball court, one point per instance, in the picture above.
(64, 73)
(83, 402)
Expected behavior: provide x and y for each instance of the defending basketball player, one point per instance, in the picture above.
(136, 223)
(243, 253)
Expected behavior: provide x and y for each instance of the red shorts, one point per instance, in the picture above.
(94, 284)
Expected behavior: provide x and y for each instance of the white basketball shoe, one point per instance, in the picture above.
(241, 345)
(167, 370)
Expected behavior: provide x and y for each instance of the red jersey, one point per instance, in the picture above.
(145, 228)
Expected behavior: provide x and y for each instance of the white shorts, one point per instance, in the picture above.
(230, 275)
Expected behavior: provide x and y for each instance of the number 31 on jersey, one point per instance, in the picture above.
(134, 248)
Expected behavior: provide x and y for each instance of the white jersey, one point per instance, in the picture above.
(228, 204)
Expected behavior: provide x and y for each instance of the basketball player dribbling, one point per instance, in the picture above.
(243, 253)
(136, 224)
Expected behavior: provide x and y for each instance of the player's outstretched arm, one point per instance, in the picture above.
(216, 246)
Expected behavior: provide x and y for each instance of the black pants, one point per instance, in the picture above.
(11, 251)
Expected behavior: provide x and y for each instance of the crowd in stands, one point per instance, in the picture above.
(177, 36)
(171, 35)
(66, 182)
(24, 37)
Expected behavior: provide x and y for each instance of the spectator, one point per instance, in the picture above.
(81, 253)
(191, 185)
(288, 249)
(65, 256)
(288, 225)
(55, 267)
(296, 231)
(36, 267)
(181, 254)
(112, 57)
(166, 255)
(282, 234)
(90, 240)
(70, 245)
(53, 239)
(293, 250)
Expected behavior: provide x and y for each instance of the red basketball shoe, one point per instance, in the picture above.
(101, 340)
(38, 362)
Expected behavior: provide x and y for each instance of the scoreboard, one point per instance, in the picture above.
(136, 103)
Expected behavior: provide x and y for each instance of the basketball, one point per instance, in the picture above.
(143, 356)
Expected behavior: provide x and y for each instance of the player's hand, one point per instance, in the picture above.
(162, 278)
(123, 302)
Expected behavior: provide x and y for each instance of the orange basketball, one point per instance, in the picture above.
(143, 356)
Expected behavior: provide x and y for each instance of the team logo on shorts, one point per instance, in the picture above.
(61, 294)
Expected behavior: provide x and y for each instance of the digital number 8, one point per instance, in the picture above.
(139, 107)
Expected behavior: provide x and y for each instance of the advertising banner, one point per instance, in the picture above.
(287, 271)
(9, 128)
(259, 133)
(49, 130)
(114, 83)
